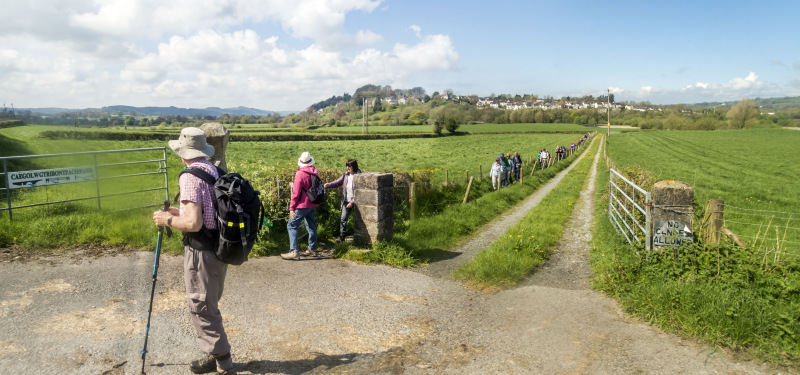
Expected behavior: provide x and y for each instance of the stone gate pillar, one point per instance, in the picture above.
(217, 136)
(373, 216)
(673, 212)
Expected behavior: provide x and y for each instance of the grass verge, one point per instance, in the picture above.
(528, 244)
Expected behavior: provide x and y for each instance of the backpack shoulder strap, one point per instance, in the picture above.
(199, 173)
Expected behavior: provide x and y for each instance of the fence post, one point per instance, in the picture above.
(534, 166)
(447, 177)
(469, 186)
(217, 136)
(97, 182)
(8, 188)
(467, 175)
(712, 221)
(373, 216)
(413, 201)
(672, 213)
(480, 170)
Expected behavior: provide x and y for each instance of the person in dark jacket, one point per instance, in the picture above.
(348, 196)
(302, 209)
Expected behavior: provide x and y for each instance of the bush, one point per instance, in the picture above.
(451, 123)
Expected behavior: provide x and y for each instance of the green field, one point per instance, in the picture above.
(754, 171)
(265, 163)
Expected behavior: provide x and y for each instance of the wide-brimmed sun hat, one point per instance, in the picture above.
(192, 144)
(305, 160)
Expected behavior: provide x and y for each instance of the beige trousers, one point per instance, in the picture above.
(204, 276)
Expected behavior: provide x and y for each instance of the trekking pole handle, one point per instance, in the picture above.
(166, 209)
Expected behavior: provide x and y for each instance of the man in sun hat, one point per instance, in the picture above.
(302, 209)
(203, 273)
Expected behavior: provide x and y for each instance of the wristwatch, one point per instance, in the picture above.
(169, 221)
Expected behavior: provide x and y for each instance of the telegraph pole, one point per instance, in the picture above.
(608, 111)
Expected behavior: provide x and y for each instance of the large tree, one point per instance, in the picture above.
(743, 115)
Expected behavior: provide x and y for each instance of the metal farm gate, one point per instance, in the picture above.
(629, 209)
(107, 180)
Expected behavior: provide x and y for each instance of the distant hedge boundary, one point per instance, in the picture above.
(163, 136)
(149, 136)
(10, 123)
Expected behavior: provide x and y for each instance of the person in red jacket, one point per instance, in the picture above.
(301, 209)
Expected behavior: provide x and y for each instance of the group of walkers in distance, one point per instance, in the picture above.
(505, 170)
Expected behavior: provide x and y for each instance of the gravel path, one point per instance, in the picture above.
(492, 231)
(77, 314)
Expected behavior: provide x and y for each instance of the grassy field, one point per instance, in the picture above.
(262, 163)
(754, 171)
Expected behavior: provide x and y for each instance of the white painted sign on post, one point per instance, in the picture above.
(44, 177)
(671, 233)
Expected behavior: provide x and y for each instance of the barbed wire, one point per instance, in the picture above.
(759, 225)
(752, 209)
(759, 215)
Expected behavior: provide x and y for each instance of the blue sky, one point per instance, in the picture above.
(280, 55)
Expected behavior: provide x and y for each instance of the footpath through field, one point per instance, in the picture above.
(492, 231)
(75, 314)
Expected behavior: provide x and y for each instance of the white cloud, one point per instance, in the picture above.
(199, 52)
(735, 89)
(417, 30)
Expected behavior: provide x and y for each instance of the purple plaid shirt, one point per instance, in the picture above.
(193, 189)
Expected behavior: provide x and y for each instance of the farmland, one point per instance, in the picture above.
(749, 169)
(264, 163)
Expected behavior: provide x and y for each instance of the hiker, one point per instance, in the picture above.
(348, 197)
(505, 167)
(203, 273)
(517, 165)
(495, 172)
(301, 209)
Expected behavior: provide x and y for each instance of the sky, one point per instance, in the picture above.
(286, 55)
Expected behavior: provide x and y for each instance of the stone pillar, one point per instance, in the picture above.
(673, 212)
(217, 136)
(374, 207)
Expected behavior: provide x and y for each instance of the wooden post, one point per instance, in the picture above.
(534, 166)
(447, 177)
(480, 170)
(412, 201)
(467, 178)
(469, 186)
(712, 221)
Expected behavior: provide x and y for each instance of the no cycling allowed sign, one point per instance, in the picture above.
(44, 177)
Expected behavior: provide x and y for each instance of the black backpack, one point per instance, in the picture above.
(238, 219)
(316, 192)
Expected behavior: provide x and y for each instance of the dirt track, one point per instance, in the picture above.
(65, 314)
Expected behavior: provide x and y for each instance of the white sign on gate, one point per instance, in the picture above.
(44, 177)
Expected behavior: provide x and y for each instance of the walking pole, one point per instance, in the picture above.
(152, 291)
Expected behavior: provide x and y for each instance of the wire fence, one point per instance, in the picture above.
(765, 229)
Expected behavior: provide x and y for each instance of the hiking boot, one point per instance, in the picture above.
(309, 253)
(203, 365)
(226, 372)
(291, 255)
(339, 239)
